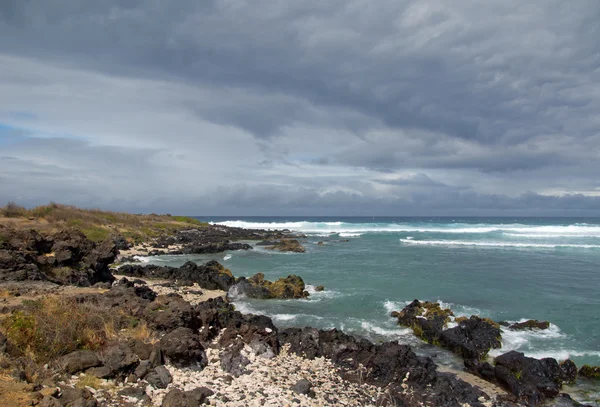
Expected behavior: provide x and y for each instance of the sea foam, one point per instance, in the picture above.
(497, 244)
(515, 229)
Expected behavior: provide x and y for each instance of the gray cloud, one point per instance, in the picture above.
(302, 106)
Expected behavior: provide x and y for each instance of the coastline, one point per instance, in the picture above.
(484, 393)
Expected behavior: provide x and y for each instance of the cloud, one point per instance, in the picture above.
(301, 106)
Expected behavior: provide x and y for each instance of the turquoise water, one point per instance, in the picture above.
(505, 269)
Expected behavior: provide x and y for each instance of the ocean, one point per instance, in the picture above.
(507, 269)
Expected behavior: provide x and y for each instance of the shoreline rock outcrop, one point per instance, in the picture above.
(472, 338)
(65, 257)
(211, 275)
(283, 245)
(532, 381)
(290, 287)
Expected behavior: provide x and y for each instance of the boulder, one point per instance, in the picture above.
(472, 338)
(232, 360)
(140, 348)
(79, 361)
(119, 358)
(159, 377)
(167, 313)
(530, 380)
(257, 286)
(49, 401)
(303, 386)
(530, 324)
(569, 371)
(182, 348)
(590, 372)
(74, 397)
(285, 245)
(193, 398)
(257, 331)
(136, 392)
(121, 243)
(426, 319)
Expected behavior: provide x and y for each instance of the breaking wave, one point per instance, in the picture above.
(497, 244)
(347, 228)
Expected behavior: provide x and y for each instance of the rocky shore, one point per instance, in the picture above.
(73, 334)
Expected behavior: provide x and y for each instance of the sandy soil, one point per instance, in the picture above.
(193, 294)
(491, 389)
(143, 249)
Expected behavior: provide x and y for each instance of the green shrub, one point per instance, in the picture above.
(12, 210)
(45, 329)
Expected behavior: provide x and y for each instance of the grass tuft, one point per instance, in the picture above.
(46, 329)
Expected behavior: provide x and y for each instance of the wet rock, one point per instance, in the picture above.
(569, 371)
(319, 288)
(481, 369)
(214, 247)
(472, 338)
(182, 348)
(78, 361)
(427, 319)
(590, 372)
(530, 324)
(531, 380)
(258, 287)
(285, 245)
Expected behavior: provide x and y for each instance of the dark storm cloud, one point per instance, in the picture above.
(353, 104)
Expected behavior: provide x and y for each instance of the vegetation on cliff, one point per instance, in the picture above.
(96, 224)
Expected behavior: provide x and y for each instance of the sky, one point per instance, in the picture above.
(277, 107)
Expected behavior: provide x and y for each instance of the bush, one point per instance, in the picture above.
(187, 219)
(46, 329)
(12, 210)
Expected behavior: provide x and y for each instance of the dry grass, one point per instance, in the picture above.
(96, 224)
(14, 393)
(45, 329)
(141, 332)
